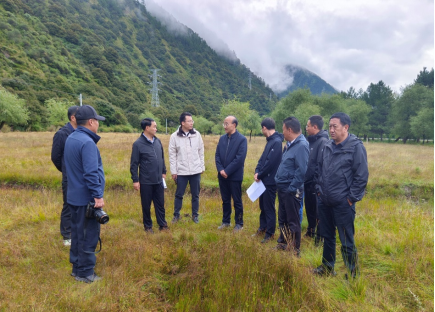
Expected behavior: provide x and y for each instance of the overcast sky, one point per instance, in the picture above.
(347, 43)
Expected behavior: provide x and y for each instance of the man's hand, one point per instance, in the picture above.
(256, 178)
(223, 174)
(99, 202)
(350, 203)
(174, 177)
(164, 176)
(136, 186)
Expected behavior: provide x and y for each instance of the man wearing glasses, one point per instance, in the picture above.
(230, 162)
(186, 159)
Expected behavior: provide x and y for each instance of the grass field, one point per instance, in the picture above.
(196, 267)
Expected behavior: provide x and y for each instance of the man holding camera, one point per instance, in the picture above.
(147, 156)
(57, 151)
(86, 183)
(186, 159)
(341, 180)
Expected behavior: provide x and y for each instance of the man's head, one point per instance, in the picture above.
(339, 124)
(186, 121)
(72, 115)
(149, 126)
(230, 124)
(268, 126)
(291, 128)
(314, 125)
(87, 117)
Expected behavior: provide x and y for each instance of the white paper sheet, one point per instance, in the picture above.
(255, 190)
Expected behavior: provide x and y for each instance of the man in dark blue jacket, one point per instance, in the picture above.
(317, 137)
(265, 172)
(341, 180)
(230, 163)
(57, 151)
(86, 184)
(147, 156)
(289, 180)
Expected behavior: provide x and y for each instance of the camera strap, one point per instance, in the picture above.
(99, 239)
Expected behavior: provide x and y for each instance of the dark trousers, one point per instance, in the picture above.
(231, 189)
(194, 181)
(311, 209)
(156, 194)
(268, 211)
(288, 218)
(84, 239)
(341, 217)
(65, 215)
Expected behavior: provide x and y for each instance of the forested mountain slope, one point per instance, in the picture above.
(105, 51)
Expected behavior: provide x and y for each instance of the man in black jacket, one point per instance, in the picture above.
(57, 151)
(317, 137)
(265, 172)
(230, 162)
(341, 180)
(147, 155)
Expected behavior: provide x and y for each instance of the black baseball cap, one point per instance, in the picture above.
(86, 112)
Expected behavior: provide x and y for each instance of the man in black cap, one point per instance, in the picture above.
(86, 183)
(57, 150)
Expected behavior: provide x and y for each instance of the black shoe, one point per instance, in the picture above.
(164, 229)
(224, 225)
(259, 232)
(238, 228)
(149, 230)
(310, 233)
(88, 279)
(323, 270)
(280, 246)
(267, 238)
(195, 219)
(176, 219)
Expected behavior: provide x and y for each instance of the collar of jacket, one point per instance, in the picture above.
(276, 134)
(69, 125)
(318, 135)
(349, 144)
(181, 133)
(95, 137)
(145, 139)
(234, 134)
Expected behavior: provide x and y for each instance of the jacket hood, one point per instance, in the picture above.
(351, 142)
(95, 137)
(319, 135)
(276, 136)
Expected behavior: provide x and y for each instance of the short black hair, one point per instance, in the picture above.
(344, 118)
(235, 121)
(82, 122)
(269, 123)
(316, 120)
(72, 111)
(146, 122)
(183, 116)
(292, 123)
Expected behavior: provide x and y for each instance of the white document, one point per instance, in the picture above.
(164, 183)
(255, 190)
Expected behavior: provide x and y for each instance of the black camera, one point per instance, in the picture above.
(97, 214)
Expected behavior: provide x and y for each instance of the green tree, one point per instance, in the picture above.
(12, 110)
(202, 124)
(425, 78)
(304, 111)
(58, 111)
(358, 112)
(380, 97)
(252, 123)
(288, 105)
(422, 125)
(414, 98)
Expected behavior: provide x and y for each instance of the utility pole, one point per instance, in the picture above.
(249, 84)
(155, 90)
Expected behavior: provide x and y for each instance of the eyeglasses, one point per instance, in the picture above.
(190, 121)
(226, 125)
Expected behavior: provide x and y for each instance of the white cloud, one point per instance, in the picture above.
(347, 43)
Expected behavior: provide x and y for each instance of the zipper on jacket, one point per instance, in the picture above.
(227, 150)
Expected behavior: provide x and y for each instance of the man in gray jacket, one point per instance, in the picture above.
(289, 180)
(341, 180)
(186, 159)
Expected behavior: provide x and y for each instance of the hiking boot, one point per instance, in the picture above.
(149, 230)
(259, 232)
(88, 279)
(224, 225)
(164, 229)
(267, 238)
(238, 228)
(324, 270)
(280, 246)
(195, 219)
(67, 242)
(176, 219)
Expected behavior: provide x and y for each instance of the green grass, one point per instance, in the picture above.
(196, 267)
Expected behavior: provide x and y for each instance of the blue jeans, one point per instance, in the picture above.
(341, 217)
(194, 181)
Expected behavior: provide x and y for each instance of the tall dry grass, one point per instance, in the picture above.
(196, 267)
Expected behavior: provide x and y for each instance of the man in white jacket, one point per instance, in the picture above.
(186, 159)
